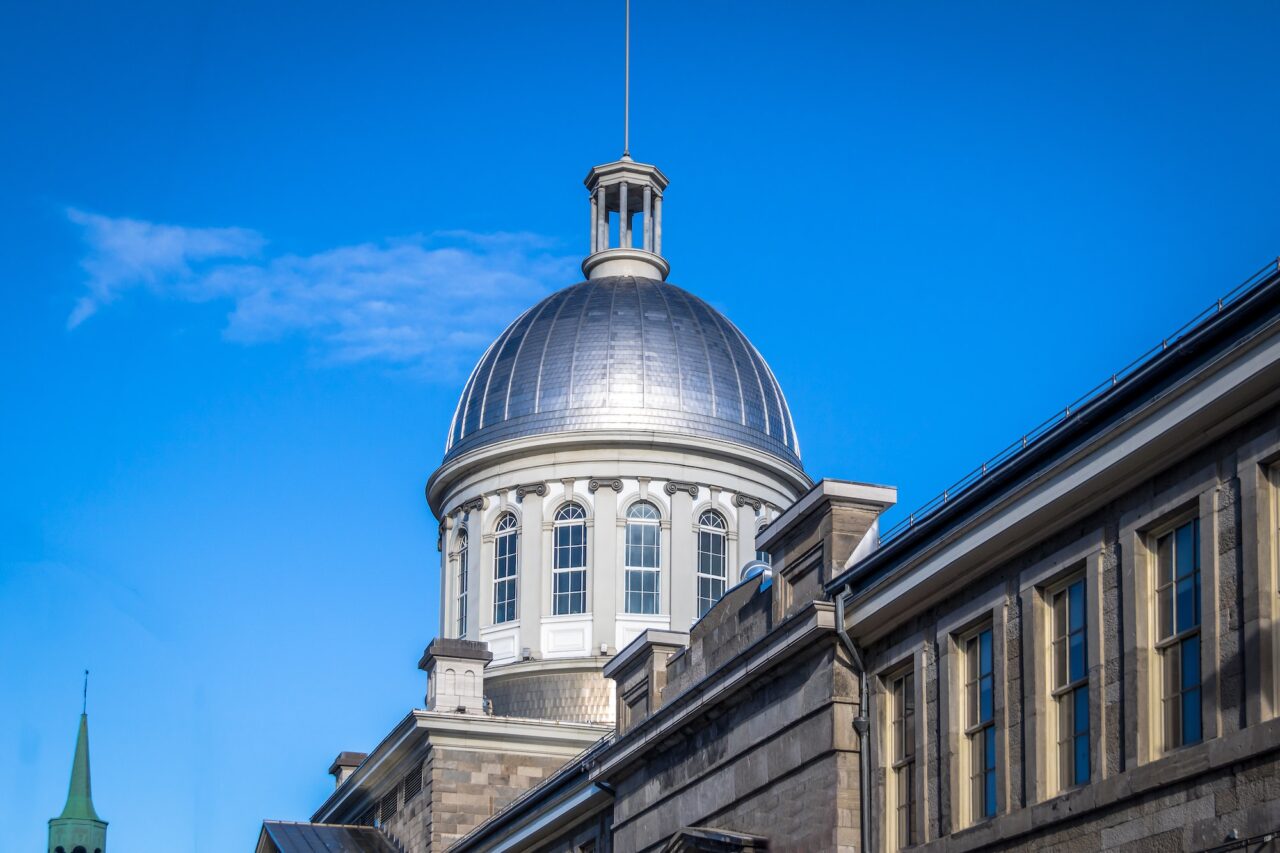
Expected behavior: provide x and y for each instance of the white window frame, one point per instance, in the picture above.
(569, 560)
(506, 528)
(462, 555)
(708, 532)
(1062, 688)
(642, 573)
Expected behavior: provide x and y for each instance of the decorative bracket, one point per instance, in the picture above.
(474, 503)
(740, 499)
(672, 487)
(597, 483)
(539, 489)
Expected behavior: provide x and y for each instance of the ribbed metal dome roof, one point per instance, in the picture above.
(623, 353)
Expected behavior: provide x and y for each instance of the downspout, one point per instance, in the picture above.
(861, 723)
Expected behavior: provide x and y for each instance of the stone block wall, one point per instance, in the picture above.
(1191, 802)
(780, 762)
(461, 789)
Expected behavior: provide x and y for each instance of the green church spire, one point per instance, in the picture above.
(80, 794)
(79, 829)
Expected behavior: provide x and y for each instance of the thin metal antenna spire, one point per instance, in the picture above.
(84, 699)
(626, 86)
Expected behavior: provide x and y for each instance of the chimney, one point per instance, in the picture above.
(455, 675)
(344, 765)
(639, 673)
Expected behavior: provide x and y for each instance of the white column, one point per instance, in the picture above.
(604, 575)
(595, 224)
(746, 517)
(684, 582)
(475, 579)
(648, 227)
(531, 573)
(657, 225)
(602, 204)
(624, 221)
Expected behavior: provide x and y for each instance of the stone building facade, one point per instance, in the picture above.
(1077, 650)
(657, 633)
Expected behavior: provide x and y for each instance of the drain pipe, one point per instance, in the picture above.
(861, 723)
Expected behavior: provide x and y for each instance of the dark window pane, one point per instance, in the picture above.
(1191, 716)
(1185, 549)
(1077, 657)
(1190, 662)
(1082, 760)
(984, 640)
(985, 700)
(1164, 559)
(1076, 592)
(1186, 604)
(1080, 712)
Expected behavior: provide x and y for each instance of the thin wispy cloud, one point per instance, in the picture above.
(423, 301)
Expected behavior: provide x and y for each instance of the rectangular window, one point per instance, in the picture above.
(980, 728)
(642, 569)
(463, 580)
(1070, 683)
(569, 573)
(1178, 632)
(903, 746)
(711, 569)
(505, 566)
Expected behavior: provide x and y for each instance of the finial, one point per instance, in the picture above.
(84, 699)
(626, 86)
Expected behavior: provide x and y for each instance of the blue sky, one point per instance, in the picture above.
(250, 251)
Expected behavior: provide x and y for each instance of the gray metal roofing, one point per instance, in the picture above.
(325, 838)
(623, 353)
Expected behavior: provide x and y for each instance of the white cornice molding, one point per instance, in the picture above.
(528, 451)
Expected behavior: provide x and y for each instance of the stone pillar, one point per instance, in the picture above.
(448, 578)
(602, 225)
(657, 225)
(684, 582)
(455, 675)
(595, 224)
(532, 569)
(604, 576)
(482, 568)
(624, 218)
(746, 517)
(647, 222)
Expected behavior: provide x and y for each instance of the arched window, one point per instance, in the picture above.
(712, 547)
(642, 559)
(506, 566)
(463, 581)
(569, 561)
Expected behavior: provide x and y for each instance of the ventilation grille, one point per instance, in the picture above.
(412, 784)
(389, 804)
(370, 817)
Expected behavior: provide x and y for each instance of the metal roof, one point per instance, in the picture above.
(623, 353)
(291, 837)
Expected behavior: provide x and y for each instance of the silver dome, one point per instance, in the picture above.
(623, 353)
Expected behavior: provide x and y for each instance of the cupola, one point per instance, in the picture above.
(620, 190)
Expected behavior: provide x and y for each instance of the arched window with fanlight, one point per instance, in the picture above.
(712, 569)
(569, 561)
(463, 582)
(642, 559)
(506, 569)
